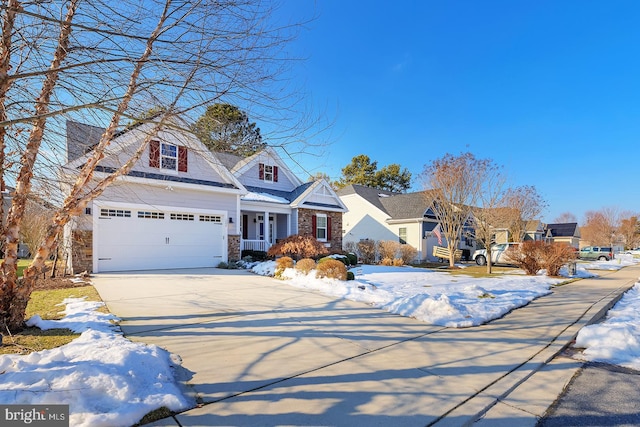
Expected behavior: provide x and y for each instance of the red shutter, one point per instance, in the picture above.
(314, 230)
(154, 154)
(328, 227)
(261, 171)
(182, 158)
(275, 174)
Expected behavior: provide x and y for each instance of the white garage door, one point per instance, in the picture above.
(141, 239)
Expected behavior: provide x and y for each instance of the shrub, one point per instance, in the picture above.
(408, 253)
(398, 262)
(332, 269)
(528, 256)
(342, 258)
(388, 248)
(350, 246)
(255, 255)
(367, 251)
(386, 261)
(223, 264)
(305, 265)
(297, 246)
(353, 258)
(282, 263)
(555, 256)
(350, 275)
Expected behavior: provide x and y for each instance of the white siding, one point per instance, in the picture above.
(365, 221)
(171, 195)
(251, 177)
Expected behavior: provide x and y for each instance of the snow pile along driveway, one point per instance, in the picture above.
(437, 298)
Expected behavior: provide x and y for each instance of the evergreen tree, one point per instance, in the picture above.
(226, 128)
(363, 171)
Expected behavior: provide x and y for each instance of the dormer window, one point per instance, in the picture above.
(268, 173)
(169, 157)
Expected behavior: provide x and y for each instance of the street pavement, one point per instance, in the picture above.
(256, 351)
(599, 395)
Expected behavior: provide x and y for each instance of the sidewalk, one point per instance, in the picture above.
(300, 358)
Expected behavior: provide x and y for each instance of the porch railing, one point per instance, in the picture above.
(255, 245)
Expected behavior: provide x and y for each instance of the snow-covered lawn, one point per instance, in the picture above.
(105, 379)
(432, 296)
(110, 381)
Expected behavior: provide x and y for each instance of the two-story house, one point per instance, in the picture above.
(182, 206)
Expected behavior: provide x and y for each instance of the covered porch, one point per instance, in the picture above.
(258, 234)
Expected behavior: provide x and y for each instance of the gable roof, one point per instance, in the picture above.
(370, 194)
(132, 136)
(568, 229)
(407, 206)
(399, 206)
(298, 198)
(81, 138)
(246, 163)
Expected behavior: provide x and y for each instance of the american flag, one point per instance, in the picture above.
(438, 233)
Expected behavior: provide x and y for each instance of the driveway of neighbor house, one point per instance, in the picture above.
(256, 351)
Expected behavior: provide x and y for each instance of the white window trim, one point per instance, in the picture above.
(163, 156)
(270, 174)
(325, 228)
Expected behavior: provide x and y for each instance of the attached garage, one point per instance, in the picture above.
(140, 237)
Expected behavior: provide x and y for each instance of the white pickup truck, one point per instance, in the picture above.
(498, 254)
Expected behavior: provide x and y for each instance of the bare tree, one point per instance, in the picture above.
(33, 229)
(565, 217)
(524, 203)
(491, 209)
(629, 230)
(600, 226)
(456, 182)
(107, 63)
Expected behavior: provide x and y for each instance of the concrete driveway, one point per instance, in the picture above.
(256, 351)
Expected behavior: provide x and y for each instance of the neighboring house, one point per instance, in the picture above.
(182, 206)
(568, 233)
(383, 215)
(534, 230)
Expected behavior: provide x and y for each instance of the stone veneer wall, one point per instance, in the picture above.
(234, 247)
(305, 227)
(82, 251)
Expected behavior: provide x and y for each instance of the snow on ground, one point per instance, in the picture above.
(432, 296)
(108, 380)
(616, 340)
(105, 379)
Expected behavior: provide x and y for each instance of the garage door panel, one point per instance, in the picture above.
(144, 243)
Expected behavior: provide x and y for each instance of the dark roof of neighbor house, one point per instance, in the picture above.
(81, 138)
(396, 205)
(406, 206)
(567, 229)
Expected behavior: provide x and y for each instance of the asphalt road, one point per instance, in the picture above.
(599, 395)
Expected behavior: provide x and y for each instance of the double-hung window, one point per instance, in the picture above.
(321, 227)
(168, 156)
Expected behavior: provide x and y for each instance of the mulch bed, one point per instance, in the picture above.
(61, 282)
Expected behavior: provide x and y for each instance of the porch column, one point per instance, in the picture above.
(267, 236)
(288, 225)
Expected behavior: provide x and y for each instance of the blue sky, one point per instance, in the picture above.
(548, 89)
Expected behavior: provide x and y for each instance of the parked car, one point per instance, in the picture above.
(634, 252)
(600, 253)
(499, 254)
